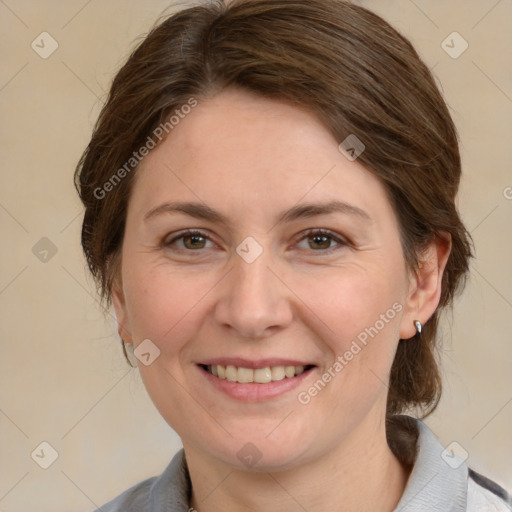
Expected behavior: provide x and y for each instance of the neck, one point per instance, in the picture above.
(360, 474)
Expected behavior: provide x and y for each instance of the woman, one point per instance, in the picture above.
(270, 209)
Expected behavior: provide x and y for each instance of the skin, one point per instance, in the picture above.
(251, 158)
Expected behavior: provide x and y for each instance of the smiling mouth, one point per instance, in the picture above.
(257, 375)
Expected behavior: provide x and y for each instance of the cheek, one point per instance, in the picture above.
(162, 302)
(351, 300)
(165, 307)
(358, 314)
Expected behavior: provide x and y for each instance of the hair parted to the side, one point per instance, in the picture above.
(341, 62)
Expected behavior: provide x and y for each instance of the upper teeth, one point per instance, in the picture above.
(259, 375)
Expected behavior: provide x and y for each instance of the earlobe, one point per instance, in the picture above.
(426, 286)
(119, 305)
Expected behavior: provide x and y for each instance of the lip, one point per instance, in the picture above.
(254, 392)
(240, 362)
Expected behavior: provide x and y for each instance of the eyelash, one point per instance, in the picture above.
(308, 234)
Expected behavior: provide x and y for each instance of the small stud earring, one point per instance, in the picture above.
(418, 326)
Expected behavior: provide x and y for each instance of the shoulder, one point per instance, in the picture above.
(484, 495)
(169, 491)
(134, 499)
(439, 480)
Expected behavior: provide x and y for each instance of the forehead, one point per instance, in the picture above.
(242, 151)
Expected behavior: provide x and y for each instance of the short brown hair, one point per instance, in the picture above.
(343, 63)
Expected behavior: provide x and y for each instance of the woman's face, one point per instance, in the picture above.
(257, 286)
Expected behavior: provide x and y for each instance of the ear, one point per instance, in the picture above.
(119, 304)
(425, 285)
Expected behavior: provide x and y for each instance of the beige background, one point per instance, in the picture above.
(62, 377)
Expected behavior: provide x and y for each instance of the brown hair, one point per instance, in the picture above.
(343, 63)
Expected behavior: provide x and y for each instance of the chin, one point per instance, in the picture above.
(261, 452)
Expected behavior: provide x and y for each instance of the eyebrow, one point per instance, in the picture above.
(303, 211)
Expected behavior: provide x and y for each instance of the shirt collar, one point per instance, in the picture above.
(172, 489)
(439, 479)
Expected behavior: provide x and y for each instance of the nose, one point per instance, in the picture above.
(254, 301)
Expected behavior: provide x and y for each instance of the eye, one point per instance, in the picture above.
(320, 240)
(189, 240)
